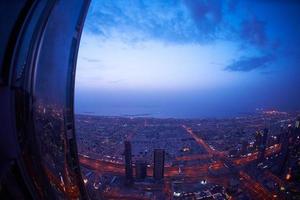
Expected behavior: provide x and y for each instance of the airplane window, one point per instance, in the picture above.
(180, 100)
(38, 147)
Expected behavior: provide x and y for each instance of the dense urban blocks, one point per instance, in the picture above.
(191, 158)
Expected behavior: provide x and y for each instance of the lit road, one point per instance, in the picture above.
(101, 166)
(117, 195)
(255, 188)
(194, 157)
(202, 143)
(253, 156)
(119, 169)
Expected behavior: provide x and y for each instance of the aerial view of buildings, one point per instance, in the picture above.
(249, 157)
(189, 100)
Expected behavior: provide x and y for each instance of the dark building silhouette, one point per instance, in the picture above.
(244, 147)
(140, 170)
(159, 163)
(258, 139)
(39, 45)
(128, 163)
(284, 153)
(262, 145)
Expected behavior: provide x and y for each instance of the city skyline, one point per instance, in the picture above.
(231, 158)
(202, 58)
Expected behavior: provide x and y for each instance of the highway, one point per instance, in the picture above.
(202, 143)
(255, 188)
(119, 169)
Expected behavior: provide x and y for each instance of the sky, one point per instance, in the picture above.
(189, 58)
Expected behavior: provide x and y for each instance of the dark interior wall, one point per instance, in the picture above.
(38, 50)
(9, 26)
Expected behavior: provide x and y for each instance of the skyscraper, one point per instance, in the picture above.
(285, 150)
(297, 123)
(128, 163)
(258, 140)
(159, 163)
(140, 169)
(262, 144)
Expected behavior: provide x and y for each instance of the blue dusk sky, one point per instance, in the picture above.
(189, 58)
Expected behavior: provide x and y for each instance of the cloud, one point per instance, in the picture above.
(116, 81)
(253, 31)
(281, 1)
(249, 64)
(232, 5)
(91, 60)
(184, 21)
(268, 72)
(206, 14)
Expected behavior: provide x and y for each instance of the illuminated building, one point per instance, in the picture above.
(159, 162)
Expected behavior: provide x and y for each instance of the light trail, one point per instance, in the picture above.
(256, 189)
(269, 151)
(202, 143)
(194, 157)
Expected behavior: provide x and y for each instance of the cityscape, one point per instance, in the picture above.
(254, 156)
(189, 100)
(150, 100)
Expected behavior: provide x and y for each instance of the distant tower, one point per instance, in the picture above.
(128, 163)
(159, 163)
(297, 124)
(265, 137)
(244, 147)
(140, 169)
(263, 144)
(258, 139)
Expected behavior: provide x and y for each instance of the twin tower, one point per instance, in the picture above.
(141, 167)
